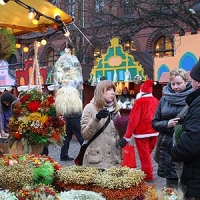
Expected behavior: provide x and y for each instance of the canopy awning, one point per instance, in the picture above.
(15, 17)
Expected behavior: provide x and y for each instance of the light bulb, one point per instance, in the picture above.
(18, 46)
(35, 21)
(25, 49)
(3, 2)
(31, 13)
(43, 42)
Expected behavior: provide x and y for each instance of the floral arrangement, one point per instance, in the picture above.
(43, 167)
(75, 177)
(37, 192)
(7, 195)
(169, 194)
(15, 176)
(121, 183)
(34, 121)
(121, 123)
(79, 195)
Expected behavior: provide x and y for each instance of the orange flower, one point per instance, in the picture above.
(56, 136)
(17, 135)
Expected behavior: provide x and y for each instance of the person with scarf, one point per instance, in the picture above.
(187, 149)
(164, 121)
(105, 150)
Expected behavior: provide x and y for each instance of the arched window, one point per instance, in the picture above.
(51, 58)
(129, 46)
(31, 55)
(163, 47)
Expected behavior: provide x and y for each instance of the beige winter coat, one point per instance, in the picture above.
(104, 151)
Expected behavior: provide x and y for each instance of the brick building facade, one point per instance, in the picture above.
(88, 17)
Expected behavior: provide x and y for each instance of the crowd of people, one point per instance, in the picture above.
(151, 124)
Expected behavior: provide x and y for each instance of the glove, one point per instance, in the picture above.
(122, 142)
(102, 114)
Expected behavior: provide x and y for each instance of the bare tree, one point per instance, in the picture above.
(125, 18)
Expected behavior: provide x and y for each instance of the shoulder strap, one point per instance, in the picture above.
(182, 111)
(99, 131)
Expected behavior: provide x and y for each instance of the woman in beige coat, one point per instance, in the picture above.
(105, 150)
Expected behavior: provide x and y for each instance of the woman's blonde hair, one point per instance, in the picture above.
(101, 87)
(178, 72)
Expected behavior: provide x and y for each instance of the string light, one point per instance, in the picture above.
(3, 2)
(25, 49)
(18, 45)
(31, 13)
(35, 21)
(43, 42)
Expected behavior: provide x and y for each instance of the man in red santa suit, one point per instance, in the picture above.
(140, 127)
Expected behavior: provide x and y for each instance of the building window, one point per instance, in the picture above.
(71, 7)
(97, 54)
(163, 47)
(99, 5)
(52, 58)
(129, 46)
(128, 8)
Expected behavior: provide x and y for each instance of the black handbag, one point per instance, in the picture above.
(79, 158)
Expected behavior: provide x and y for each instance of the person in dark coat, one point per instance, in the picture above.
(164, 121)
(187, 150)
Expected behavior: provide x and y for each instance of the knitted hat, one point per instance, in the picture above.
(146, 87)
(195, 71)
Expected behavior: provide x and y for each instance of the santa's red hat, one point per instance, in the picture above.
(146, 87)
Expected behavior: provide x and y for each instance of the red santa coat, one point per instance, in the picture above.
(140, 118)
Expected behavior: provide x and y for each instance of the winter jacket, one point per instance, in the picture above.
(104, 151)
(140, 118)
(169, 107)
(187, 150)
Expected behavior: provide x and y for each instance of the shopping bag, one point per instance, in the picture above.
(79, 158)
(129, 156)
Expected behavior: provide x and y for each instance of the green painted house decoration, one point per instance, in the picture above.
(117, 65)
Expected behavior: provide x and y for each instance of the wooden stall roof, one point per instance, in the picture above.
(15, 17)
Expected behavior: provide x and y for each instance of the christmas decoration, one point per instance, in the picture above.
(7, 44)
(34, 121)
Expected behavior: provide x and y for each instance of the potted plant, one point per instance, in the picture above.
(34, 122)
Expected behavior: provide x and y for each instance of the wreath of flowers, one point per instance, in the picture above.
(119, 178)
(34, 120)
(121, 183)
(43, 167)
(6, 194)
(37, 192)
(77, 174)
(80, 194)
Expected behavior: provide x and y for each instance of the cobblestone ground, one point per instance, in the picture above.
(54, 152)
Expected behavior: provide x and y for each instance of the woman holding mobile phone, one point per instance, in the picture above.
(105, 150)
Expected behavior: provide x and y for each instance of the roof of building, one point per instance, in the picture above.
(146, 60)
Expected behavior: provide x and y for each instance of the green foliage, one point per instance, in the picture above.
(178, 131)
(7, 44)
(44, 173)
